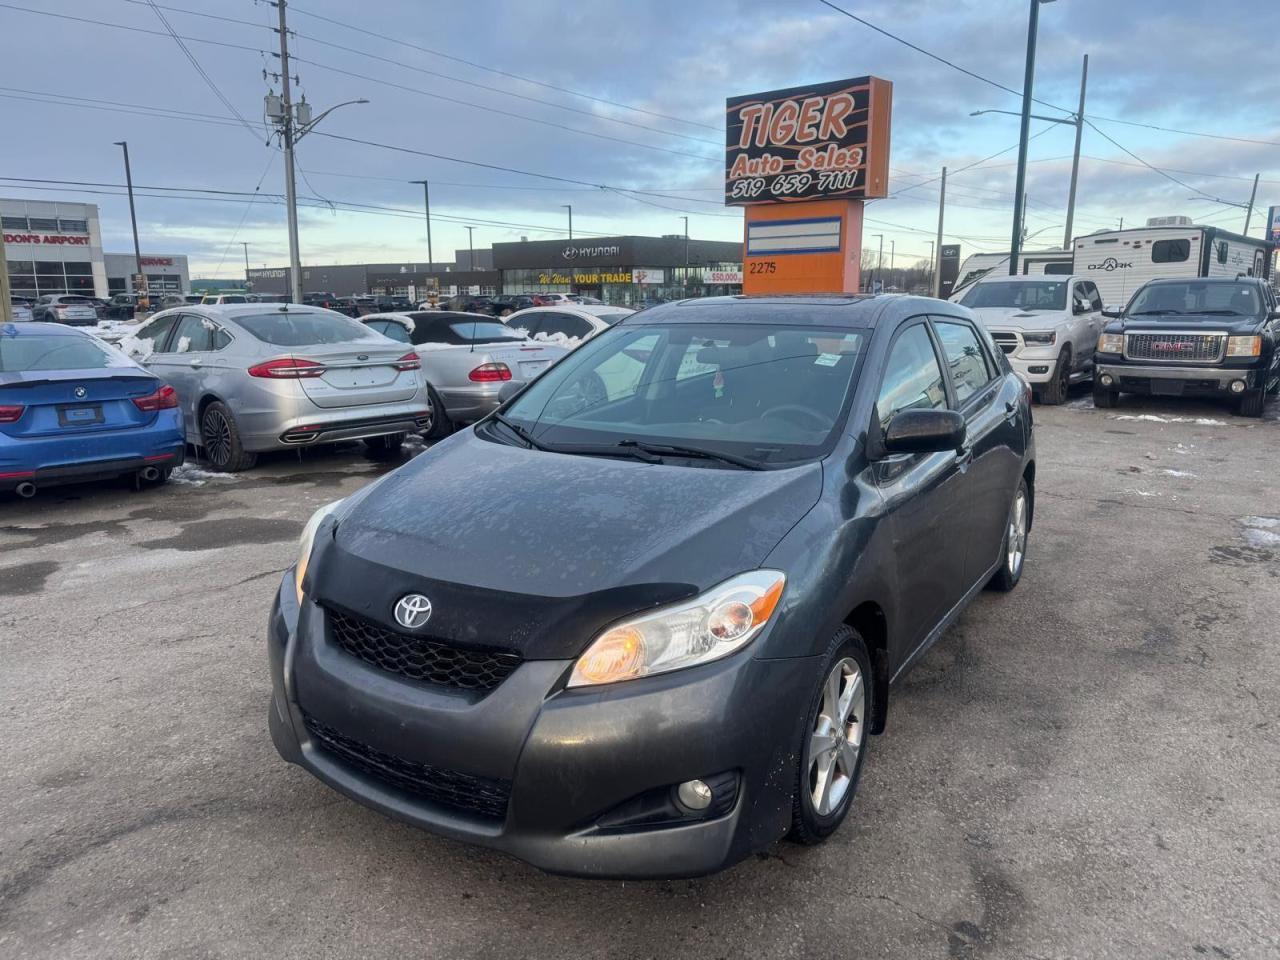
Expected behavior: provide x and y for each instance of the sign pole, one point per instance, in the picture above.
(942, 204)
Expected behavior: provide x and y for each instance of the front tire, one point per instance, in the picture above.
(834, 740)
(1103, 398)
(1014, 551)
(220, 438)
(1252, 402)
(1055, 391)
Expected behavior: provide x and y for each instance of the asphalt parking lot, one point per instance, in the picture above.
(1083, 768)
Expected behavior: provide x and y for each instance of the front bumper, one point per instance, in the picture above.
(569, 758)
(1034, 370)
(1162, 379)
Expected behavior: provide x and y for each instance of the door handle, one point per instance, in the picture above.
(1010, 408)
(196, 361)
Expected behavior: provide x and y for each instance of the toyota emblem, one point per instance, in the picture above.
(80, 393)
(412, 611)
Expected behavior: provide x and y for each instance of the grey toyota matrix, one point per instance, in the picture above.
(641, 621)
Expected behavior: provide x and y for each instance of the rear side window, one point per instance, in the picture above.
(151, 338)
(292, 329)
(194, 335)
(970, 366)
(483, 331)
(390, 328)
(1170, 251)
(912, 377)
(51, 352)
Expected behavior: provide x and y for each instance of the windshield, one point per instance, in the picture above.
(484, 331)
(293, 329)
(767, 394)
(1025, 294)
(54, 352)
(1197, 296)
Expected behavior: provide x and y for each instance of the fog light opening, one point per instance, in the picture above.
(694, 794)
(1237, 386)
(1107, 380)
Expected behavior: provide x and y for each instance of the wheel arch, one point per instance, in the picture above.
(868, 618)
(1029, 475)
(201, 406)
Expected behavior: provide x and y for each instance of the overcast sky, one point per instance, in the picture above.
(1187, 65)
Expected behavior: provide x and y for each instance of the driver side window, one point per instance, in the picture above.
(912, 376)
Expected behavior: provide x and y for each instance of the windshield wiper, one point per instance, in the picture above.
(1149, 313)
(699, 453)
(1223, 313)
(519, 431)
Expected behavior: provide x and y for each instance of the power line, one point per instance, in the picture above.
(1153, 169)
(499, 112)
(503, 73)
(1185, 133)
(131, 29)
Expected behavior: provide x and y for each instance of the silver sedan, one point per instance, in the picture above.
(466, 358)
(265, 377)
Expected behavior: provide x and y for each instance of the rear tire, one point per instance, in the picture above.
(1013, 552)
(1252, 402)
(441, 426)
(387, 445)
(220, 438)
(1055, 391)
(833, 743)
(1103, 397)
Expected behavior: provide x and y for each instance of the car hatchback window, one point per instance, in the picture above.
(294, 329)
(912, 378)
(53, 353)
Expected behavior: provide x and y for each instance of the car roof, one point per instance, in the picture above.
(1026, 278)
(1165, 281)
(28, 329)
(854, 310)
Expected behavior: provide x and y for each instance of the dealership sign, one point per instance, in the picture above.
(722, 276)
(825, 141)
(649, 276)
(157, 261)
(48, 238)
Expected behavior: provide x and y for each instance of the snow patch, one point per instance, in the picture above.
(1261, 523)
(1153, 418)
(196, 476)
(1261, 538)
(1178, 473)
(1145, 493)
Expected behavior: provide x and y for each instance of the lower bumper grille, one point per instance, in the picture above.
(1008, 342)
(461, 791)
(420, 658)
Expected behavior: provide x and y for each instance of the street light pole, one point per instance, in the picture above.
(471, 257)
(569, 207)
(143, 302)
(893, 252)
(1075, 157)
(929, 275)
(684, 287)
(937, 265)
(245, 244)
(426, 202)
(1252, 197)
(880, 263)
(1015, 246)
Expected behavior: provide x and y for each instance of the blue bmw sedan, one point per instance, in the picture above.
(73, 409)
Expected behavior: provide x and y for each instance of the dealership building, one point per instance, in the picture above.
(56, 247)
(618, 270)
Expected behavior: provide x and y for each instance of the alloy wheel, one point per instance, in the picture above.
(1017, 540)
(217, 438)
(836, 739)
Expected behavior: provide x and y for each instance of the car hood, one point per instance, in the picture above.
(1188, 321)
(1015, 318)
(535, 551)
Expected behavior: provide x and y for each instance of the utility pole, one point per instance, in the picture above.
(426, 202)
(293, 123)
(245, 244)
(6, 304)
(684, 287)
(880, 263)
(286, 137)
(143, 301)
(1252, 197)
(471, 259)
(929, 275)
(893, 253)
(1068, 240)
(937, 266)
(1015, 246)
(569, 207)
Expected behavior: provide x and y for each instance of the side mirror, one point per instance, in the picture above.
(924, 431)
(509, 390)
(1082, 306)
(1111, 313)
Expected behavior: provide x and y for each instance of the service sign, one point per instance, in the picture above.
(827, 141)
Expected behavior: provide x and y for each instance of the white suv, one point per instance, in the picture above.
(1047, 326)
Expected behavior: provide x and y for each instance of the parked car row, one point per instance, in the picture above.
(1213, 337)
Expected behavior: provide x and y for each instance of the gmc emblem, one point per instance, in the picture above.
(1169, 346)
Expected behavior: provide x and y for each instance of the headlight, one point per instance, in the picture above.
(708, 627)
(1111, 343)
(1040, 339)
(1244, 346)
(307, 541)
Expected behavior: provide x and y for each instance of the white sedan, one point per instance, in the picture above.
(568, 325)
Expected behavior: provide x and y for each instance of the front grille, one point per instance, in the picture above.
(462, 791)
(1175, 347)
(424, 659)
(1008, 342)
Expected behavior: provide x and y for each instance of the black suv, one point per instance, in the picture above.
(1197, 337)
(508, 304)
